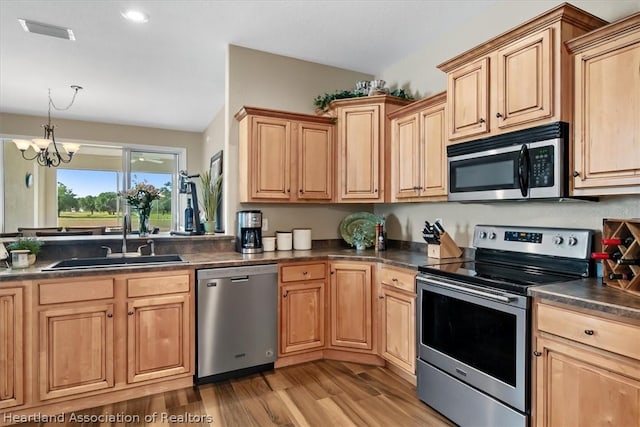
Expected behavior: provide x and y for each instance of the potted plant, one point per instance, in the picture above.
(362, 239)
(30, 244)
(211, 191)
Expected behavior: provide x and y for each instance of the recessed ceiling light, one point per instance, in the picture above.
(46, 29)
(135, 16)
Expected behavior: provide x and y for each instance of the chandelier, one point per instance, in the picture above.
(47, 149)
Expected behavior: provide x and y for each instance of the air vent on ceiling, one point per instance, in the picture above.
(46, 29)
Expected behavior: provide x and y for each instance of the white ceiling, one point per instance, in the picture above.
(170, 72)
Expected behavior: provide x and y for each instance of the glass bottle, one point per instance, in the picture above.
(188, 217)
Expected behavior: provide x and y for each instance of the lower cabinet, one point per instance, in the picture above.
(76, 350)
(397, 298)
(157, 337)
(11, 347)
(350, 307)
(587, 370)
(302, 288)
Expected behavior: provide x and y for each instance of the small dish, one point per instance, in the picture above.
(364, 219)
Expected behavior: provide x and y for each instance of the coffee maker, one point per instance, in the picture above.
(249, 232)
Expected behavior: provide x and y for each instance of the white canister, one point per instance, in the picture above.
(20, 258)
(269, 244)
(284, 240)
(302, 239)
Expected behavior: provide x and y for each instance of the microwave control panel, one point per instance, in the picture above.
(541, 174)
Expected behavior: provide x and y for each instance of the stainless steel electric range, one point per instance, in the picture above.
(474, 320)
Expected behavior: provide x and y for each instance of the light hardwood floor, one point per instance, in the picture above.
(322, 393)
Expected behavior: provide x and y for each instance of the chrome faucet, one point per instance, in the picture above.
(125, 227)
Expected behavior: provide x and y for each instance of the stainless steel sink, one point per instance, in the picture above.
(88, 263)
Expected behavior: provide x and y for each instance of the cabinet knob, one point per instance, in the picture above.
(332, 272)
(498, 115)
(305, 273)
(393, 279)
(576, 174)
(130, 313)
(589, 331)
(109, 314)
(288, 190)
(375, 191)
(301, 191)
(284, 294)
(381, 297)
(537, 354)
(481, 120)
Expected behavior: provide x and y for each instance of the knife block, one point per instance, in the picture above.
(446, 249)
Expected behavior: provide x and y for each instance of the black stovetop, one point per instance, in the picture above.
(516, 279)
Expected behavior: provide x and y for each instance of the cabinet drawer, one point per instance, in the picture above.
(295, 273)
(398, 278)
(59, 292)
(601, 333)
(159, 285)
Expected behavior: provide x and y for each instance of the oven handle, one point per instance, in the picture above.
(451, 286)
(523, 170)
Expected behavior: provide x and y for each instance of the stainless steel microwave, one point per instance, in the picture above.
(527, 164)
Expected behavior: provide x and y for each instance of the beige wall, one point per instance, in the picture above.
(19, 200)
(260, 79)
(419, 72)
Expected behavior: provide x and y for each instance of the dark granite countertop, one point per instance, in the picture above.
(591, 294)
(395, 257)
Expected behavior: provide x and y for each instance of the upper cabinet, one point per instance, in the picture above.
(519, 79)
(363, 141)
(607, 109)
(418, 151)
(285, 157)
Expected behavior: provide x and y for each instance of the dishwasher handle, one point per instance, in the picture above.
(240, 279)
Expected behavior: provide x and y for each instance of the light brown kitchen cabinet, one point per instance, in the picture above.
(363, 143)
(418, 151)
(285, 157)
(351, 313)
(519, 79)
(397, 296)
(302, 288)
(159, 325)
(587, 369)
(11, 347)
(76, 349)
(606, 134)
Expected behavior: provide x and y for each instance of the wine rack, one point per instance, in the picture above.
(627, 230)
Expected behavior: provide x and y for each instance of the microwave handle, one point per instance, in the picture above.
(523, 170)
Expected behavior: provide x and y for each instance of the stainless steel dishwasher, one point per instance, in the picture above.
(237, 330)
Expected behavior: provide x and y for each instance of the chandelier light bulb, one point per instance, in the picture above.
(42, 143)
(71, 147)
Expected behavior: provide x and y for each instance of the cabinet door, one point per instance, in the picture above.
(11, 343)
(76, 350)
(405, 138)
(351, 314)
(607, 103)
(302, 316)
(433, 152)
(525, 82)
(397, 324)
(579, 387)
(270, 158)
(315, 161)
(359, 153)
(158, 337)
(468, 101)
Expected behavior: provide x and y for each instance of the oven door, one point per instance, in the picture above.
(476, 335)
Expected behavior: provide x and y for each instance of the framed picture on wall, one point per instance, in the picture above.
(215, 168)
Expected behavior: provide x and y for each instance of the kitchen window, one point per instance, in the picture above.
(83, 193)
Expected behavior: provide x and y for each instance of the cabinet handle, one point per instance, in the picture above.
(498, 115)
(284, 295)
(301, 191)
(332, 272)
(381, 297)
(288, 190)
(576, 174)
(109, 314)
(588, 331)
(130, 313)
(394, 279)
(481, 120)
(375, 191)
(537, 354)
(304, 273)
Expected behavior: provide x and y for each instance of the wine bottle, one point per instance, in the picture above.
(188, 217)
(629, 261)
(621, 276)
(606, 255)
(627, 241)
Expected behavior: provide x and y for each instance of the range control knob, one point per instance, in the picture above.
(572, 241)
(483, 235)
(492, 235)
(558, 240)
